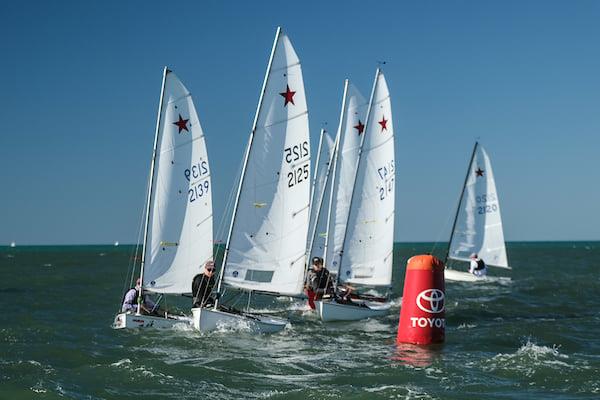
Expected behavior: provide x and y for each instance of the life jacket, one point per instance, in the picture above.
(135, 300)
(480, 265)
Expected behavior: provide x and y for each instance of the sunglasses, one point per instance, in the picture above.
(210, 269)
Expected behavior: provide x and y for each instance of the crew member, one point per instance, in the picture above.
(318, 282)
(477, 266)
(202, 286)
(130, 302)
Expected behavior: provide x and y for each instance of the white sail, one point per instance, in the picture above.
(368, 244)
(478, 227)
(352, 125)
(320, 197)
(267, 243)
(179, 238)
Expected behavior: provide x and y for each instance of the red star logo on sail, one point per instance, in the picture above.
(182, 124)
(360, 127)
(288, 95)
(383, 123)
(479, 172)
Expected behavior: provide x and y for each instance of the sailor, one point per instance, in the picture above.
(130, 302)
(477, 266)
(202, 286)
(318, 282)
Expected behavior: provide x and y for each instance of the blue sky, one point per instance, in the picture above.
(80, 83)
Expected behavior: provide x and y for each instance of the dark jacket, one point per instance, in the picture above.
(320, 282)
(202, 287)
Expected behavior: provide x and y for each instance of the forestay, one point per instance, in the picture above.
(352, 125)
(478, 227)
(368, 244)
(179, 238)
(320, 197)
(267, 244)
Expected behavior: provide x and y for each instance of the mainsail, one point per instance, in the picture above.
(368, 242)
(317, 231)
(352, 126)
(179, 232)
(267, 240)
(478, 225)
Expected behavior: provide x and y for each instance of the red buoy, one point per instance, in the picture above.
(422, 315)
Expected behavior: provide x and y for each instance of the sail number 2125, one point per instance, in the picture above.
(292, 154)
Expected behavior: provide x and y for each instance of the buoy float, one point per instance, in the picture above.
(422, 315)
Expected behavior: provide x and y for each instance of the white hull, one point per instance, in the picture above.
(134, 321)
(208, 319)
(459, 276)
(331, 311)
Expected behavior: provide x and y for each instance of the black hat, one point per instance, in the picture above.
(317, 260)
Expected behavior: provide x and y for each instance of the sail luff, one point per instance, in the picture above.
(152, 178)
(247, 155)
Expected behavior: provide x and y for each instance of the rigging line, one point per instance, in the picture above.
(134, 252)
(223, 220)
(441, 232)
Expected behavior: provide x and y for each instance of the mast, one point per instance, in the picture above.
(151, 185)
(360, 149)
(248, 148)
(336, 151)
(462, 193)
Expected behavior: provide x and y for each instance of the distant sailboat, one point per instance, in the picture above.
(265, 250)
(116, 243)
(13, 244)
(178, 229)
(361, 217)
(477, 227)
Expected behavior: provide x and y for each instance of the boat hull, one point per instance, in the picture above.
(459, 276)
(329, 310)
(136, 321)
(209, 319)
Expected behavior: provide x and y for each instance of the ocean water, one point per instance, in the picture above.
(537, 336)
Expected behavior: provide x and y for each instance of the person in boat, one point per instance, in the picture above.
(319, 282)
(130, 301)
(477, 266)
(345, 293)
(202, 286)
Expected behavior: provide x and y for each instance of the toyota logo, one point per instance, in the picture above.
(431, 301)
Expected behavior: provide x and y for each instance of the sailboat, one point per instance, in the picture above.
(266, 244)
(361, 214)
(178, 229)
(477, 226)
